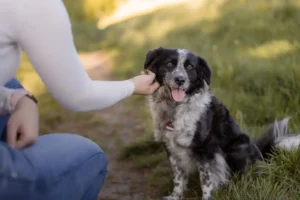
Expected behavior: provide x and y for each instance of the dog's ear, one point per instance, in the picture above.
(151, 56)
(205, 70)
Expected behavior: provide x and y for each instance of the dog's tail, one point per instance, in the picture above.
(277, 137)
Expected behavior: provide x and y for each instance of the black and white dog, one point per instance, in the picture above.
(197, 129)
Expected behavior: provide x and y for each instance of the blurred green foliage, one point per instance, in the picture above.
(90, 10)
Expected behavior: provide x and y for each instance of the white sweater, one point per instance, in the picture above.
(42, 29)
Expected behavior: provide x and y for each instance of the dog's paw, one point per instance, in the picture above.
(207, 198)
(171, 198)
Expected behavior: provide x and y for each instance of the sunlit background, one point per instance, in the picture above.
(253, 48)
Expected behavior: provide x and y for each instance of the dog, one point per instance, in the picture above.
(197, 129)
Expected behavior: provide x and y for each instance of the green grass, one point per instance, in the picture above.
(253, 48)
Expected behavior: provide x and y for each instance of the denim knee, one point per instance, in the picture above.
(88, 168)
(57, 166)
(70, 152)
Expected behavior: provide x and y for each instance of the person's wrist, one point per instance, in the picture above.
(26, 102)
(21, 95)
(16, 96)
(134, 86)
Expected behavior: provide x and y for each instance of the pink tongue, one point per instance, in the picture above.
(178, 95)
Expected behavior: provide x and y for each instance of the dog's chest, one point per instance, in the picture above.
(183, 119)
(172, 122)
(179, 138)
(178, 122)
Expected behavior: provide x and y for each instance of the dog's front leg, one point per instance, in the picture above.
(205, 181)
(179, 180)
(213, 173)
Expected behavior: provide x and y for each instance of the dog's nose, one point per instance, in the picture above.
(179, 80)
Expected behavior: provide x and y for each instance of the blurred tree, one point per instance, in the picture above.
(99, 8)
(90, 10)
(75, 10)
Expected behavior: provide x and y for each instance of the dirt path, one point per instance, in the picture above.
(119, 126)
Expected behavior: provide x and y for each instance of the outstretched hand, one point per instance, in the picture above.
(145, 84)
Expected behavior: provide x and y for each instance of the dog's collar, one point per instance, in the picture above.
(170, 126)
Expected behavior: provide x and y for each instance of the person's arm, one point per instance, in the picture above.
(44, 31)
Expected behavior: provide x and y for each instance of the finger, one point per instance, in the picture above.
(155, 85)
(24, 142)
(151, 74)
(28, 135)
(11, 134)
(25, 139)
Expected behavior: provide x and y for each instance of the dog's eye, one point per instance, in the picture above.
(169, 64)
(189, 67)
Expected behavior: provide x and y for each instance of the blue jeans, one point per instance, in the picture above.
(56, 167)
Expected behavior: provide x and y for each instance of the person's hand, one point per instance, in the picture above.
(23, 124)
(145, 84)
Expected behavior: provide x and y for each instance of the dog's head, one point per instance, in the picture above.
(179, 70)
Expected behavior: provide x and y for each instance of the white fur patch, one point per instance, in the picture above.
(221, 177)
(187, 116)
(288, 143)
(182, 54)
(282, 139)
(280, 128)
(213, 173)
